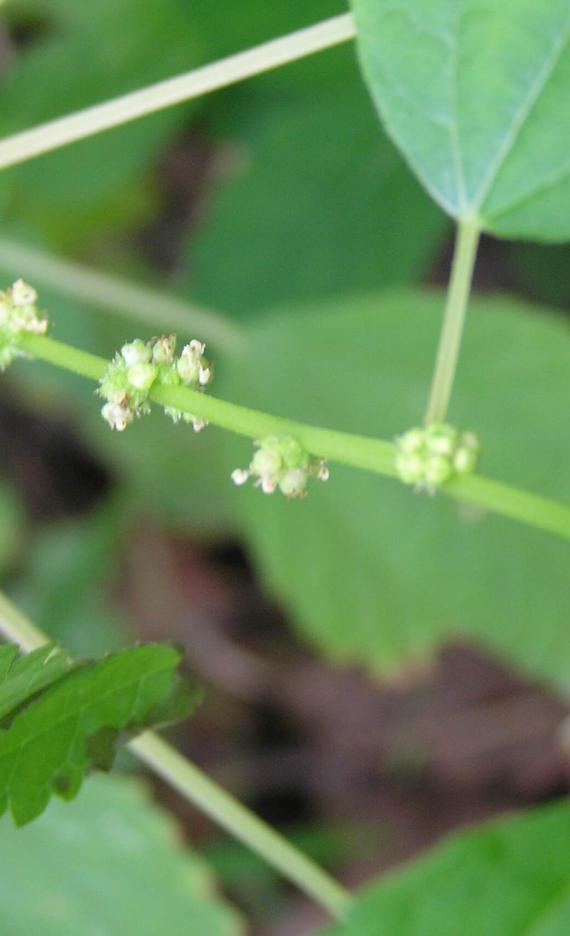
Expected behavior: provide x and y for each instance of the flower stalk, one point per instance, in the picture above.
(453, 321)
(375, 455)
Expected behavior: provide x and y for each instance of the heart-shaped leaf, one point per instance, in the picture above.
(475, 95)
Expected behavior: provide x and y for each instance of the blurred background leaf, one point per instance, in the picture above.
(315, 202)
(372, 573)
(112, 864)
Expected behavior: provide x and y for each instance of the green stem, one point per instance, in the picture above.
(375, 455)
(142, 304)
(210, 798)
(85, 123)
(240, 822)
(453, 321)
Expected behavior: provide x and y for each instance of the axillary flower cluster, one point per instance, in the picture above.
(19, 314)
(141, 365)
(281, 463)
(430, 457)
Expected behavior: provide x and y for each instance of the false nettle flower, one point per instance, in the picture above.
(19, 314)
(139, 366)
(430, 457)
(192, 370)
(281, 463)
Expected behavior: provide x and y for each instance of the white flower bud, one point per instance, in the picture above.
(188, 368)
(268, 484)
(198, 424)
(294, 482)
(22, 294)
(204, 375)
(118, 417)
(281, 463)
(266, 461)
(136, 352)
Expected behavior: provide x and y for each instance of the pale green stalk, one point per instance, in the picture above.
(85, 123)
(374, 455)
(143, 305)
(453, 321)
(210, 798)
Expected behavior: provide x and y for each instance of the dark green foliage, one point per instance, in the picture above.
(505, 879)
(76, 723)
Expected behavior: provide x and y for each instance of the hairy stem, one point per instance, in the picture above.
(180, 773)
(85, 123)
(143, 305)
(375, 455)
(453, 321)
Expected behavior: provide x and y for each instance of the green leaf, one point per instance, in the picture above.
(315, 204)
(505, 879)
(371, 572)
(75, 724)
(21, 677)
(113, 864)
(474, 95)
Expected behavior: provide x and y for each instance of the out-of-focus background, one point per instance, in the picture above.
(281, 193)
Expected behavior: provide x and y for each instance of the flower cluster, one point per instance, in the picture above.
(18, 314)
(139, 366)
(281, 462)
(432, 456)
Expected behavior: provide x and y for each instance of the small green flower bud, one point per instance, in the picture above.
(137, 368)
(142, 375)
(293, 454)
(410, 467)
(437, 470)
(281, 463)
(428, 458)
(441, 439)
(412, 441)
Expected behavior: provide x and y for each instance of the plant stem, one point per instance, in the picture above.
(221, 74)
(375, 455)
(141, 304)
(210, 798)
(453, 320)
(240, 822)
